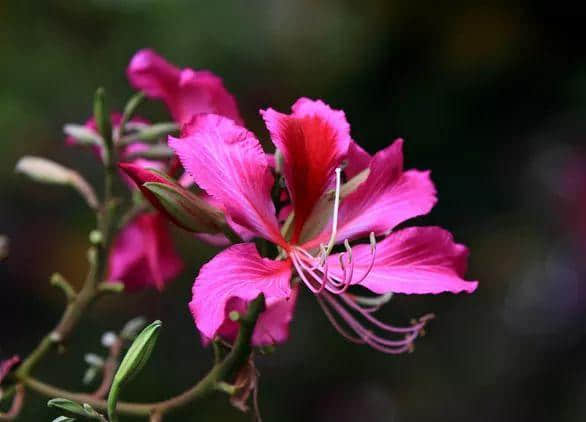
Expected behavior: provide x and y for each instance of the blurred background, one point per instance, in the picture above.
(492, 98)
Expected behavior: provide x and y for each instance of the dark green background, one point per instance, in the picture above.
(490, 96)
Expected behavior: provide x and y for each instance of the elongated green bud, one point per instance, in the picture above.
(190, 211)
(133, 362)
(102, 116)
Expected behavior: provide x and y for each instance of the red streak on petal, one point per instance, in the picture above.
(311, 157)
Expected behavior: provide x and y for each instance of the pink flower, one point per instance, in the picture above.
(143, 254)
(186, 92)
(227, 161)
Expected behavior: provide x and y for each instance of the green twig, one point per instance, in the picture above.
(220, 373)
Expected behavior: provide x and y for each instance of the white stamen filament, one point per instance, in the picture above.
(362, 334)
(332, 240)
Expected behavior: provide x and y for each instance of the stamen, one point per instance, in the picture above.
(373, 256)
(328, 302)
(380, 324)
(374, 302)
(335, 216)
(335, 324)
(301, 274)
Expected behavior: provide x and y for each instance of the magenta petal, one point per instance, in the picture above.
(356, 160)
(186, 92)
(7, 365)
(204, 92)
(152, 74)
(388, 197)
(416, 260)
(272, 326)
(235, 277)
(143, 254)
(314, 140)
(228, 162)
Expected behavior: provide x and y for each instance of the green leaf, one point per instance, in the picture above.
(68, 406)
(64, 419)
(135, 359)
(72, 407)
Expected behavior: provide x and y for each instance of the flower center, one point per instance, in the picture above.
(330, 288)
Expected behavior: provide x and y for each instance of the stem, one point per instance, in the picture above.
(98, 257)
(17, 403)
(223, 371)
(109, 369)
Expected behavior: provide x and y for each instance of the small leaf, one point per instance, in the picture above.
(68, 406)
(135, 359)
(64, 419)
(46, 171)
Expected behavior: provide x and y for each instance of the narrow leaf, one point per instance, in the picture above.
(68, 406)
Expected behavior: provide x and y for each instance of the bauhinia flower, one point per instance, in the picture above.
(318, 244)
(142, 253)
(186, 92)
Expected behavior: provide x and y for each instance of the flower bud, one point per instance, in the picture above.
(182, 207)
(47, 171)
(82, 135)
(136, 357)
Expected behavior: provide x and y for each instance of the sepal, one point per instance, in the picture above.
(184, 208)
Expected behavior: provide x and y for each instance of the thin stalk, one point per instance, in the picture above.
(222, 372)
